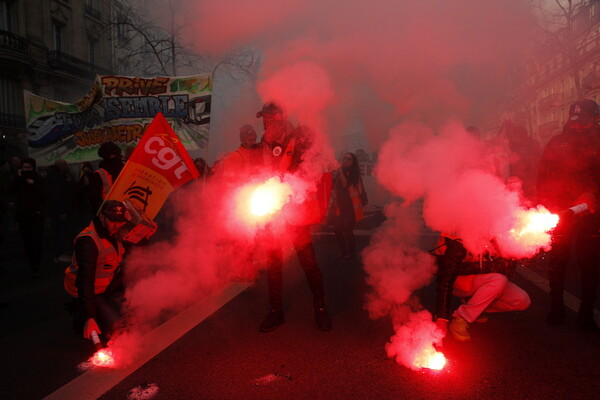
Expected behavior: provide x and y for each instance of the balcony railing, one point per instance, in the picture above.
(65, 62)
(10, 41)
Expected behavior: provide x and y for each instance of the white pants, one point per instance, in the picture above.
(490, 293)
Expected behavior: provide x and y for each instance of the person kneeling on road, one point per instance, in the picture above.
(480, 282)
(94, 278)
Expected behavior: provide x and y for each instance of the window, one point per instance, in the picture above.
(11, 102)
(92, 48)
(7, 16)
(91, 8)
(57, 33)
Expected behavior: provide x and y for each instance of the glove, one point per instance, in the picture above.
(588, 199)
(89, 326)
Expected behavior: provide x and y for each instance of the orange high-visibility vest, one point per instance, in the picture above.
(107, 262)
(107, 181)
(354, 191)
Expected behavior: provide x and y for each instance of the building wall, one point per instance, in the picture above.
(551, 81)
(53, 48)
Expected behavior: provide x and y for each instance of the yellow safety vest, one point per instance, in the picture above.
(106, 181)
(107, 262)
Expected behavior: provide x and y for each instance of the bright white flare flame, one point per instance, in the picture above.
(103, 358)
(533, 226)
(430, 358)
(258, 202)
(265, 200)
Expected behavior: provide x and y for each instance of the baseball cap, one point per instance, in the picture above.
(269, 109)
(583, 110)
(115, 210)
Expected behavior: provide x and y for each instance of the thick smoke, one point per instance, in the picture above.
(459, 178)
(332, 64)
(427, 60)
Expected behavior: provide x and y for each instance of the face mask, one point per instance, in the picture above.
(28, 174)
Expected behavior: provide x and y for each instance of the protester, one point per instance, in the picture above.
(271, 154)
(61, 184)
(31, 202)
(202, 167)
(569, 176)
(95, 277)
(82, 208)
(238, 161)
(4, 176)
(481, 282)
(107, 172)
(349, 199)
(15, 165)
(525, 154)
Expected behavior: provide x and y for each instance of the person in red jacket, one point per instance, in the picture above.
(281, 150)
(568, 176)
(94, 277)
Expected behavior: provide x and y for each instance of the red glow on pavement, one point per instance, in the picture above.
(103, 358)
(430, 358)
(532, 227)
(257, 203)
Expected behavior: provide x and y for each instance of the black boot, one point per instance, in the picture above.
(322, 319)
(585, 318)
(557, 315)
(272, 321)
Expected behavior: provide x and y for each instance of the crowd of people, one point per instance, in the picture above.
(568, 176)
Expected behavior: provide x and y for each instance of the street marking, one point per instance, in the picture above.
(97, 381)
(538, 280)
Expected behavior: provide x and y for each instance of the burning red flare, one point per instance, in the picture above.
(532, 230)
(257, 203)
(103, 358)
(428, 357)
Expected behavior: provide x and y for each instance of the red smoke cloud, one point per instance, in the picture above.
(386, 60)
(331, 65)
(457, 176)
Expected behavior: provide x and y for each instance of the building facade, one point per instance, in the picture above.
(53, 48)
(557, 77)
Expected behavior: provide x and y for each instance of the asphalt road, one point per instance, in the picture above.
(513, 356)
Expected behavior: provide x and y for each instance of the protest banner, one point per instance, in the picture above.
(117, 109)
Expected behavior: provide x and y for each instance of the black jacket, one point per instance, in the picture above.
(452, 264)
(31, 198)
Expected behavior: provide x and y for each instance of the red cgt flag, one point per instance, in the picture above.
(158, 165)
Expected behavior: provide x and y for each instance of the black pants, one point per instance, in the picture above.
(302, 242)
(344, 231)
(574, 237)
(32, 232)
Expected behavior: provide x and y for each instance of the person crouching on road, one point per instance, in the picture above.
(94, 277)
(480, 282)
